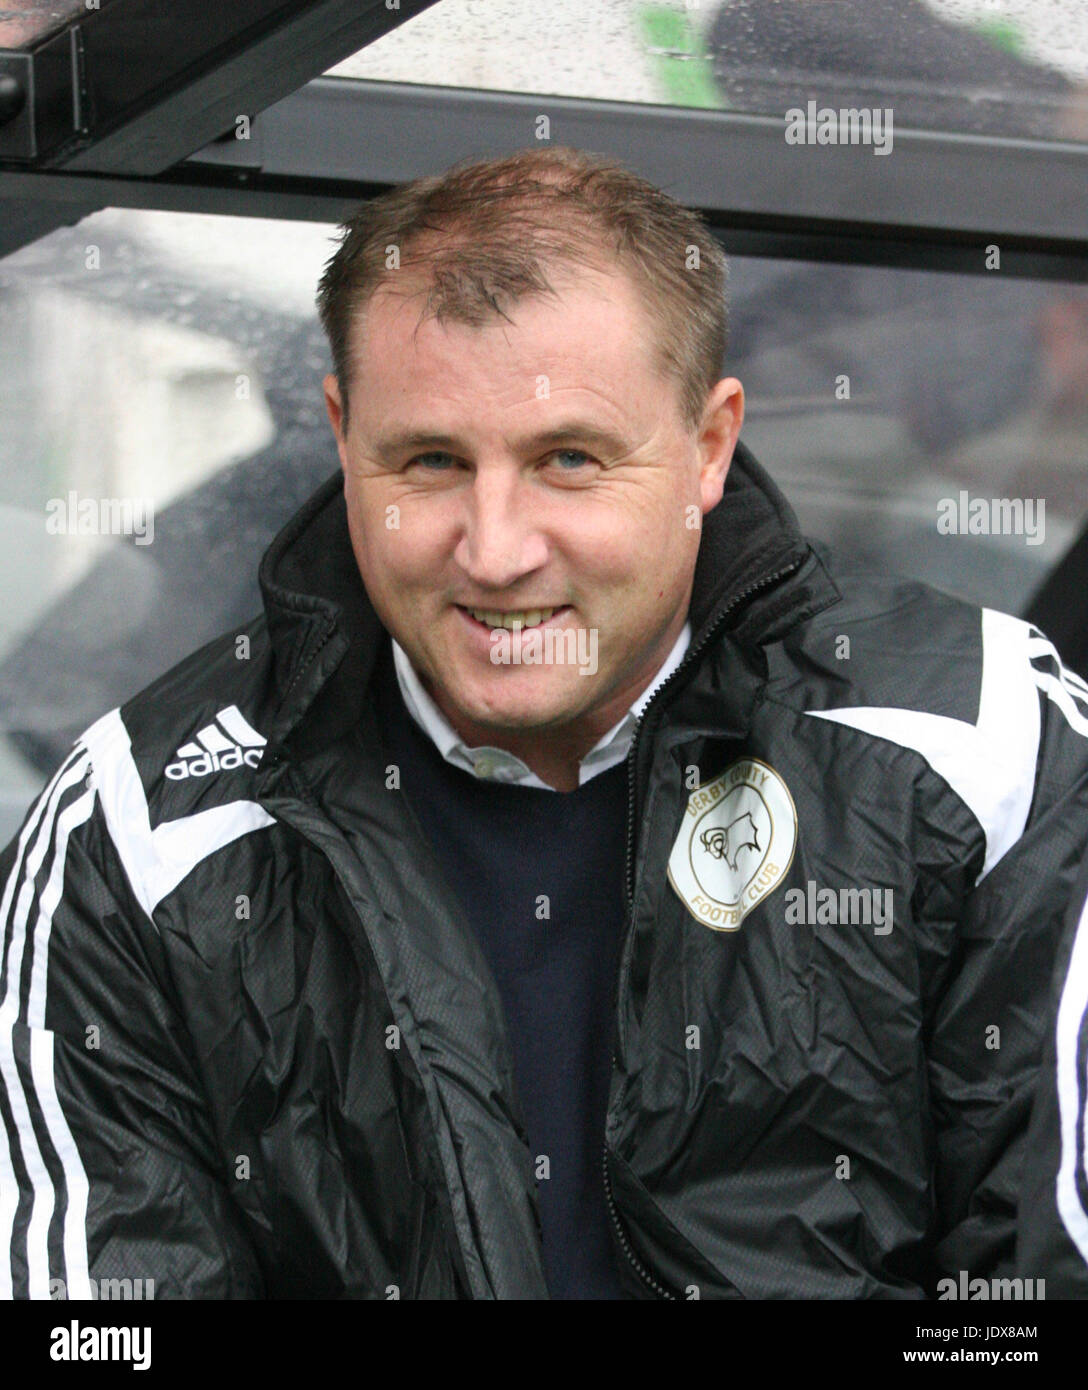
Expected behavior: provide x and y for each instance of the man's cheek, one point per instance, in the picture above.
(394, 546)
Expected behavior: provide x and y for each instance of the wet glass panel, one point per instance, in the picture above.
(983, 67)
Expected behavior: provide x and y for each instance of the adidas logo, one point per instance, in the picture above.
(228, 742)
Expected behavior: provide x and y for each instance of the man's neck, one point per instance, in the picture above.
(555, 756)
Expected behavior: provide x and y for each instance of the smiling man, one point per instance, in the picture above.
(367, 954)
(529, 466)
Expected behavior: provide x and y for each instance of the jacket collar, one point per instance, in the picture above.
(325, 634)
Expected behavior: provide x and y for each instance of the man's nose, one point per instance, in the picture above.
(500, 537)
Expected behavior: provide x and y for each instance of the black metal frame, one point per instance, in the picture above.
(936, 202)
(49, 112)
(133, 88)
(118, 103)
(140, 84)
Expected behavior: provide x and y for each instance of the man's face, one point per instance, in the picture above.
(523, 466)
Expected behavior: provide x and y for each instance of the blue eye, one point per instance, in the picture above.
(426, 460)
(579, 454)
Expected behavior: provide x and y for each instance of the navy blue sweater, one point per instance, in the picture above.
(504, 849)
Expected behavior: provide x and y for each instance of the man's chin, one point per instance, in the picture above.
(512, 707)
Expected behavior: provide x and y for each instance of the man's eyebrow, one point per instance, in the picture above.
(414, 441)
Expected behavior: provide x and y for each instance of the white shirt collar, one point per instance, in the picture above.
(497, 764)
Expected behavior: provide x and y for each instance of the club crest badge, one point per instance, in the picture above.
(735, 844)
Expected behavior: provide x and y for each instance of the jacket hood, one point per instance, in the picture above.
(325, 633)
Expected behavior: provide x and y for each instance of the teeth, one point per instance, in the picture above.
(527, 617)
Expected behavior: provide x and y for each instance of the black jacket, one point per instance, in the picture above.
(250, 1047)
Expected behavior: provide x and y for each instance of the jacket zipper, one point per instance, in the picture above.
(632, 762)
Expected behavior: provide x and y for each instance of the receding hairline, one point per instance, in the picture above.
(488, 226)
(560, 272)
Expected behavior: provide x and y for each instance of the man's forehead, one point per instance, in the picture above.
(405, 303)
(564, 338)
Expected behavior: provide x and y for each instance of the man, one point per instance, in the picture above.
(1052, 1233)
(567, 887)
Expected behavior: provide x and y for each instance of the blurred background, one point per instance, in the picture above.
(177, 357)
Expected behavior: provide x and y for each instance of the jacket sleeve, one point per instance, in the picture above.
(108, 1166)
(1052, 1237)
(990, 1022)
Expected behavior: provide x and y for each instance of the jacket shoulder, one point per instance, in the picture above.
(980, 695)
(232, 672)
(174, 768)
(894, 643)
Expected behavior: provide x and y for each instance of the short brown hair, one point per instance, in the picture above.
(484, 231)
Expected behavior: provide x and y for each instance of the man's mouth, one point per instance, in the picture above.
(513, 619)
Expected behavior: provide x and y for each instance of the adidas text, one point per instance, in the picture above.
(206, 763)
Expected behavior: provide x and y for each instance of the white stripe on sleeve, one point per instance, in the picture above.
(1072, 1088)
(39, 829)
(157, 860)
(990, 764)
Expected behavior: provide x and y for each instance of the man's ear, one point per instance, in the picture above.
(335, 410)
(722, 420)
